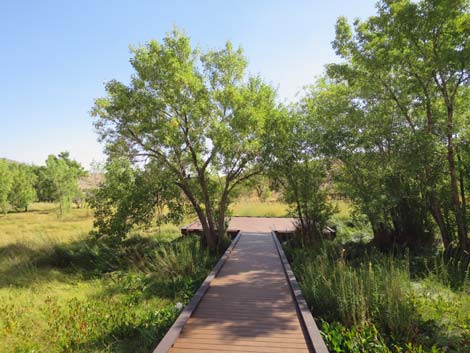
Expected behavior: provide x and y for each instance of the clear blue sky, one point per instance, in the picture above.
(56, 56)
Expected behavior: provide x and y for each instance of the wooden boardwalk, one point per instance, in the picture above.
(248, 307)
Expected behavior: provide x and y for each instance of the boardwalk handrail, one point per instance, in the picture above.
(311, 329)
(170, 337)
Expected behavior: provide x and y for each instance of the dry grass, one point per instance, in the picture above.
(42, 225)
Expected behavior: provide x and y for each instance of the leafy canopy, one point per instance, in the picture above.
(196, 114)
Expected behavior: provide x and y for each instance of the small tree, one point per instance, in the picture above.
(62, 174)
(6, 182)
(22, 192)
(132, 196)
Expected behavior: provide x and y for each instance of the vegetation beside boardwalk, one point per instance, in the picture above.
(63, 291)
(396, 301)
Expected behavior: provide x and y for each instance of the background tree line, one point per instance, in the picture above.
(56, 181)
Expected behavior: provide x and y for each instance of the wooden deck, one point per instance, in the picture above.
(248, 307)
(250, 224)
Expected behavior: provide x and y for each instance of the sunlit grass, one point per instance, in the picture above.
(42, 225)
(253, 207)
(54, 298)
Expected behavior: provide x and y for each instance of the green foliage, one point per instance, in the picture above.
(363, 339)
(61, 175)
(395, 116)
(193, 114)
(372, 291)
(294, 161)
(260, 184)
(130, 197)
(130, 303)
(371, 301)
(22, 192)
(81, 325)
(6, 182)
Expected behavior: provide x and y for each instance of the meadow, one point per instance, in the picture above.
(63, 291)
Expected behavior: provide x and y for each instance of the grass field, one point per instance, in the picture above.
(62, 292)
(252, 207)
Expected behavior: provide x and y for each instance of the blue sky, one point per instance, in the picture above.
(57, 55)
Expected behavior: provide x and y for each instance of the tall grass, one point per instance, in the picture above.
(253, 207)
(375, 302)
(374, 291)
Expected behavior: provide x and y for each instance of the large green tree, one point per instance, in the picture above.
(194, 113)
(415, 58)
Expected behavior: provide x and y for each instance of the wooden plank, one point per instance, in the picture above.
(222, 336)
(246, 349)
(242, 332)
(243, 342)
(217, 349)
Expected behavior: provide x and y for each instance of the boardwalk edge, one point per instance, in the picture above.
(311, 329)
(170, 337)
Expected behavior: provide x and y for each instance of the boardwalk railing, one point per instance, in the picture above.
(311, 330)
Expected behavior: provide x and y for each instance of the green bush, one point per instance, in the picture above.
(363, 339)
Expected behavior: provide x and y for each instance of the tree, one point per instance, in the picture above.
(294, 160)
(62, 174)
(261, 184)
(6, 182)
(194, 114)
(415, 56)
(22, 192)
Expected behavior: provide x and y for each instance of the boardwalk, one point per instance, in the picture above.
(251, 224)
(248, 307)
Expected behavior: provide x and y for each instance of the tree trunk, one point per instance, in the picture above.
(453, 182)
(209, 212)
(439, 219)
(462, 190)
(203, 219)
